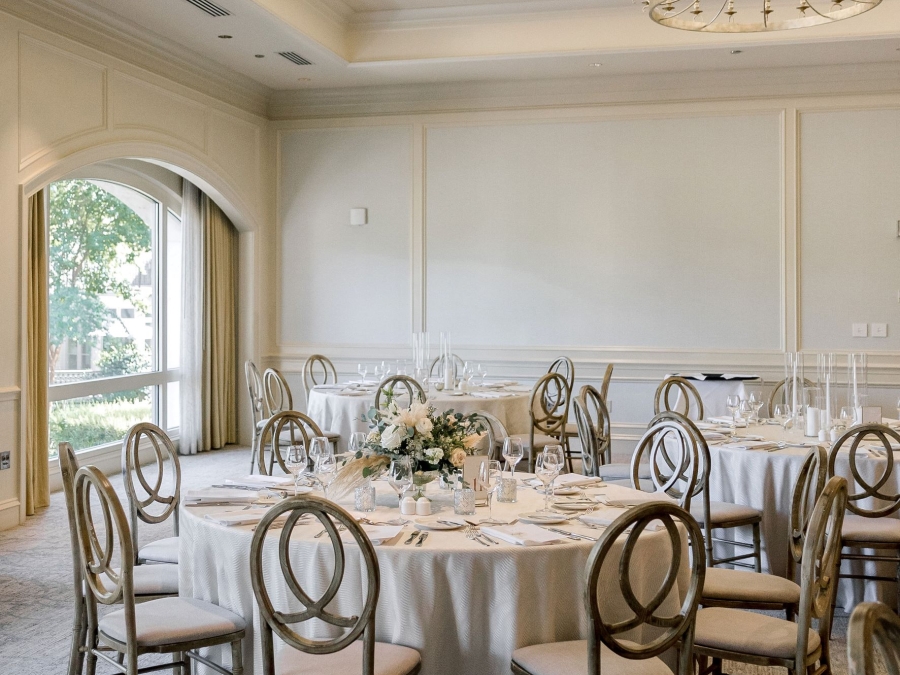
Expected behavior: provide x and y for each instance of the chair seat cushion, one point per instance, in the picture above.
(646, 484)
(881, 530)
(621, 471)
(331, 435)
(571, 429)
(745, 632)
(571, 658)
(540, 440)
(173, 620)
(389, 660)
(151, 580)
(743, 586)
(161, 550)
(724, 512)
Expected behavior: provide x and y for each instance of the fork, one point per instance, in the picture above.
(473, 535)
(341, 528)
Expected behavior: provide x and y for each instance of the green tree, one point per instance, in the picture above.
(121, 356)
(91, 235)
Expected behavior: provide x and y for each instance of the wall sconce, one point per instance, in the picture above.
(359, 216)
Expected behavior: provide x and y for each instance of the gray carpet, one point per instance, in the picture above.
(36, 586)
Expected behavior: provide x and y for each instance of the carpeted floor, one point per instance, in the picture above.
(36, 587)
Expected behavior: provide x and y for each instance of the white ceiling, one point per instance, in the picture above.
(356, 43)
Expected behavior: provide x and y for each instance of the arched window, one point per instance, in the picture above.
(114, 308)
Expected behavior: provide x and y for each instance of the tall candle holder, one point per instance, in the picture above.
(825, 380)
(857, 384)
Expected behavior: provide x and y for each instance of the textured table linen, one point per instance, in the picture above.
(765, 480)
(340, 413)
(464, 606)
(713, 394)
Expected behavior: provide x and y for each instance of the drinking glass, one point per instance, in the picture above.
(746, 411)
(489, 475)
(295, 461)
(781, 413)
(400, 475)
(732, 404)
(379, 371)
(546, 468)
(326, 471)
(513, 452)
(481, 371)
(846, 417)
(898, 408)
(357, 441)
(756, 402)
(319, 447)
(363, 370)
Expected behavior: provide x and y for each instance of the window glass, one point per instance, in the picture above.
(96, 420)
(173, 282)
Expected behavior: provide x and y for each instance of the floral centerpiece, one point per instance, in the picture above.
(436, 443)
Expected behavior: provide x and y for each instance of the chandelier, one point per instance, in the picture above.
(752, 16)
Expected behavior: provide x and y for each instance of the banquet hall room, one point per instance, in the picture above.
(450, 337)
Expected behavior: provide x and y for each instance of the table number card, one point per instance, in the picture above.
(471, 468)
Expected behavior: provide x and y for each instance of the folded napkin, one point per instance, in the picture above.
(713, 435)
(721, 421)
(518, 389)
(637, 498)
(523, 534)
(570, 480)
(330, 386)
(605, 519)
(234, 518)
(751, 445)
(491, 394)
(220, 495)
(378, 534)
(262, 482)
(500, 383)
(352, 392)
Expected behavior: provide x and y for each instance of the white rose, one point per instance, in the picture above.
(424, 426)
(392, 437)
(458, 457)
(373, 437)
(434, 455)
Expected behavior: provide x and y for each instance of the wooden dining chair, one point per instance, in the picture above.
(873, 626)
(318, 370)
(258, 411)
(763, 640)
(604, 386)
(564, 366)
(611, 647)
(769, 592)
(494, 431)
(279, 399)
(393, 388)
(436, 369)
(352, 649)
(783, 392)
(150, 581)
(687, 395)
(283, 430)
(674, 460)
(152, 501)
(171, 625)
(548, 409)
(870, 525)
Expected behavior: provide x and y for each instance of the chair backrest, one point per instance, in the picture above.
(604, 387)
(317, 370)
(258, 410)
(686, 393)
(279, 620)
(277, 392)
(437, 366)
(598, 414)
(784, 391)
(68, 467)
(387, 390)
(564, 366)
(819, 569)
(809, 485)
(154, 503)
(669, 629)
(674, 457)
(856, 436)
(286, 428)
(549, 406)
(873, 625)
(494, 431)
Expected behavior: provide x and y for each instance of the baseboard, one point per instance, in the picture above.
(9, 513)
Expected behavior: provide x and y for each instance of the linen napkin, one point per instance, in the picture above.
(220, 495)
(378, 534)
(570, 480)
(500, 383)
(262, 482)
(606, 518)
(491, 394)
(234, 518)
(713, 435)
(751, 445)
(721, 421)
(523, 534)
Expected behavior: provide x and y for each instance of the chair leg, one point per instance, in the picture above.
(131, 668)
(90, 644)
(178, 657)
(757, 548)
(79, 635)
(237, 658)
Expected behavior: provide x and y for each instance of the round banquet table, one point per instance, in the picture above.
(765, 480)
(464, 606)
(341, 410)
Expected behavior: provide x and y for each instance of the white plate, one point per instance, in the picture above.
(573, 506)
(542, 519)
(561, 491)
(433, 524)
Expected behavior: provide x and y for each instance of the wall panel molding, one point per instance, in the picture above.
(11, 393)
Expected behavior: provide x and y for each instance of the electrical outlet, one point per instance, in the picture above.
(4, 460)
(879, 330)
(860, 330)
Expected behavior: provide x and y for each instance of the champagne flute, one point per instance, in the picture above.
(326, 471)
(546, 468)
(363, 370)
(488, 476)
(400, 475)
(513, 452)
(296, 462)
(732, 404)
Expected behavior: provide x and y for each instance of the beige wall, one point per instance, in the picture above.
(64, 106)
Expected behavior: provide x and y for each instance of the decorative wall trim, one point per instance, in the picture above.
(10, 394)
(9, 513)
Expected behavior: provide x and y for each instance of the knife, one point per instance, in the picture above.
(422, 539)
(412, 537)
(570, 535)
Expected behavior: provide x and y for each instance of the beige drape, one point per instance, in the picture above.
(37, 435)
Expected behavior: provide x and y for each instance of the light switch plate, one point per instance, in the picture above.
(4, 461)
(879, 330)
(860, 330)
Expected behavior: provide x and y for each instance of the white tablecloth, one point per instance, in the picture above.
(765, 481)
(465, 606)
(342, 412)
(713, 394)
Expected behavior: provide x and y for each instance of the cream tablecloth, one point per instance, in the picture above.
(765, 481)
(341, 412)
(466, 607)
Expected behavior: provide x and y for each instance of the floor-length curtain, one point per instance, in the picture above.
(37, 435)
(208, 345)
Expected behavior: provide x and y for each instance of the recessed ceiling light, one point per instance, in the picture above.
(596, 65)
(224, 37)
(737, 51)
(260, 56)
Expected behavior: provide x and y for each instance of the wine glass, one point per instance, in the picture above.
(846, 416)
(319, 447)
(482, 372)
(513, 452)
(898, 408)
(295, 461)
(732, 404)
(357, 441)
(546, 468)
(400, 475)
(782, 413)
(756, 403)
(379, 371)
(363, 370)
(489, 477)
(326, 471)
(746, 411)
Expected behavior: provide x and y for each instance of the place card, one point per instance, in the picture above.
(471, 469)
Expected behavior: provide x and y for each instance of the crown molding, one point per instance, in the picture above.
(125, 40)
(877, 78)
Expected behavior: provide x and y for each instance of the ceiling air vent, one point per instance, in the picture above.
(210, 7)
(294, 57)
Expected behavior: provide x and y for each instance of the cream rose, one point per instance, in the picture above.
(392, 437)
(458, 457)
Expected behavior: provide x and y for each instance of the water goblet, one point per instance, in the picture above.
(400, 475)
(513, 452)
(326, 471)
(363, 370)
(732, 404)
(781, 413)
(488, 476)
(482, 372)
(357, 441)
(379, 371)
(745, 410)
(546, 469)
(756, 403)
(847, 416)
(295, 460)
